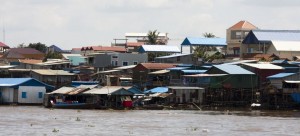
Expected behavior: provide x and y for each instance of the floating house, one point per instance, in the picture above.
(23, 90)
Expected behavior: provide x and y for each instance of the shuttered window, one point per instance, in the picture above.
(40, 94)
(24, 95)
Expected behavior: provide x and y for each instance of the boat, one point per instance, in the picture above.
(72, 105)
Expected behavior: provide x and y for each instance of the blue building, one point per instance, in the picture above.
(23, 90)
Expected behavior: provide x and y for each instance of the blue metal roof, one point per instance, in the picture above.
(172, 56)
(193, 71)
(280, 75)
(158, 90)
(177, 68)
(233, 69)
(279, 62)
(204, 41)
(159, 48)
(135, 91)
(15, 82)
(265, 36)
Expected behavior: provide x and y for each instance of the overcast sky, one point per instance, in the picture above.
(77, 23)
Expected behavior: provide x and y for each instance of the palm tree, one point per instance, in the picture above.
(209, 35)
(152, 37)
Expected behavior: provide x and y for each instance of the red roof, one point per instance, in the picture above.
(105, 48)
(157, 65)
(76, 49)
(243, 25)
(135, 44)
(3, 45)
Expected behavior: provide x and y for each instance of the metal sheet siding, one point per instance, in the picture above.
(7, 95)
(32, 94)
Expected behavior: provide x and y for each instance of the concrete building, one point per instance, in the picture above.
(235, 35)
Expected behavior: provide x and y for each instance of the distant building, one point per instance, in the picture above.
(75, 59)
(143, 37)
(101, 49)
(57, 78)
(76, 51)
(23, 90)
(192, 42)
(101, 61)
(177, 58)
(235, 35)
(15, 54)
(3, 47)
(282, 43)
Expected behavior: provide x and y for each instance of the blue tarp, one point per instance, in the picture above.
(158, 90)
(193, 71)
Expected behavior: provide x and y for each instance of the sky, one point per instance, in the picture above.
(77, 23)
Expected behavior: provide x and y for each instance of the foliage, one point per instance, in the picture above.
(152, 37)
(53, 55)
(152, 55)
(38, 46)
(209, 35)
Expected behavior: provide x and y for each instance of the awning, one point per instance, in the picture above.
(158, 90)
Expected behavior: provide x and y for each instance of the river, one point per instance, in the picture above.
(39, 121)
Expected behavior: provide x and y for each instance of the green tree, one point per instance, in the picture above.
(152, 37)
(38, 46)
(209, 35)
(53, 55)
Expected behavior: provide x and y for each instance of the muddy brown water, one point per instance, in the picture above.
(36, 120)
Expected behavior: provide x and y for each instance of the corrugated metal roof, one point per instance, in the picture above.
(256, 36)
(280, 75)
(53, 72)
(159, 48)
(172, 56)
(62, 90)
(189, 71)
(233, 69)
(13, 81)
(104, 90)
(204, 41)
(279, 62)
(135, 91)
(158, 66)
(158, 90)
(177, 68)
(263, 66)
(3, 45)
(286, 45)
(241, 61)
(125, 67)
(160, 72)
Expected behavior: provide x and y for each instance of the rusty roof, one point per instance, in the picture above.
(243, 25)
(134, 44)
(30, 61)
(3, 45)
(157, 65)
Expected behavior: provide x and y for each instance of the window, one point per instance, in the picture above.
(178, 58)
(40, 94)
(250, 50)
(115, 57)
(236, 35)
(0, 94)
(112, 63)
(125, 63)
(135, 63)
(24, 95)
(116, 63)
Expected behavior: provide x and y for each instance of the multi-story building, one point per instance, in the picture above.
(235, 35)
